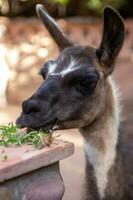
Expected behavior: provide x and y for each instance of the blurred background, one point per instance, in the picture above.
(25, 45)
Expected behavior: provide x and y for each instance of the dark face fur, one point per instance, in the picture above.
(74, 86)
(67, 93)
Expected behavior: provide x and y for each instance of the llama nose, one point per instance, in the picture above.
(30, 106)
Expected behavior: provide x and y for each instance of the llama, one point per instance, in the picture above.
(78, 92)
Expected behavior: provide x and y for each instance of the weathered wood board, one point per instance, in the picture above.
(25, 168)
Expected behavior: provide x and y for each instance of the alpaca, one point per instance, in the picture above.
(78, 92)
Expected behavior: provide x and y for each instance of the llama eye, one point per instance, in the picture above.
(86, 86)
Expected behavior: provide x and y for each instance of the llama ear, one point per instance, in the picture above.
(112, 39)
(58, 35)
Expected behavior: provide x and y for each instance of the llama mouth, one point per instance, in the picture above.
(48, 127)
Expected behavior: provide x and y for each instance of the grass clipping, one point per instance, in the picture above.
(11, 136)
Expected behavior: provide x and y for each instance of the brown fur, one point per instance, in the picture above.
(117, 183)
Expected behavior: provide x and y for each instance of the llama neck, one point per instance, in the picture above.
(101, 138)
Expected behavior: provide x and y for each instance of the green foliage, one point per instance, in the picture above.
(62, 2)
(95, 5)
(1, 2)
(13, 8)
(11, 136)
(98, 5)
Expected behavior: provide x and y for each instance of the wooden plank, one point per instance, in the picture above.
(25, 159)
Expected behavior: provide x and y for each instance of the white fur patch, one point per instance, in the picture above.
(116, 95)
(103, 161)
(71, 67)
(51, 68)
(101, 164)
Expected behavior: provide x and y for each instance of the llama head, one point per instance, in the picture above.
(74, 91)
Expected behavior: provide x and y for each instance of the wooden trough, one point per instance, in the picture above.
(27, 174)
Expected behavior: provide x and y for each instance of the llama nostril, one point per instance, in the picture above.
(30, 106)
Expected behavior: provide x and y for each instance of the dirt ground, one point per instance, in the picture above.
(72, 168)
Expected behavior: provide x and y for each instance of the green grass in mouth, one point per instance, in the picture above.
(11, 136)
